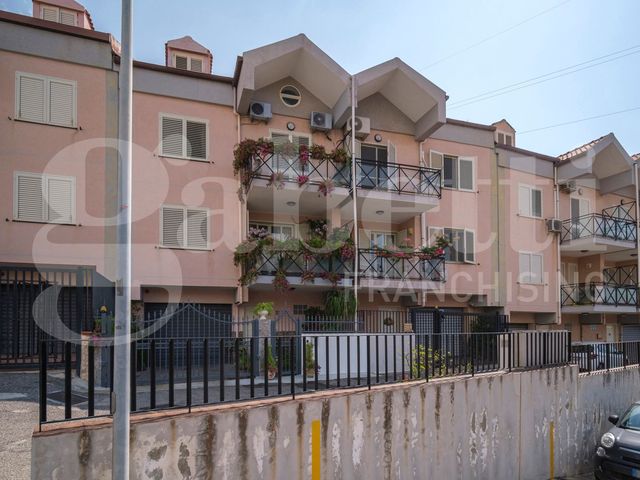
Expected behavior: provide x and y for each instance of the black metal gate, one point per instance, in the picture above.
(21, 288)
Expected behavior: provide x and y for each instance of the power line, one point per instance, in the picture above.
(497, 34)
(561, 72)
(571, 122)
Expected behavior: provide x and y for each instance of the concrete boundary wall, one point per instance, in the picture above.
(493, 426)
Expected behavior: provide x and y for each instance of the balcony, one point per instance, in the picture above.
(391, 273)
(598, 297)
(597, 233)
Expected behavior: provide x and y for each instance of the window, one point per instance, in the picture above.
(45, 100)
(173, 232)
(279, 232)
(187, 62)
(462, 248)
(505, 138)
(43, 198)
(284, 158)
(58, 15)
(457, 172)
(530, 268)
(529, 201)
(290, 96)
(184, 138)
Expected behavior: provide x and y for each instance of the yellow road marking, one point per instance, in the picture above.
(315, 450)
(551, 451)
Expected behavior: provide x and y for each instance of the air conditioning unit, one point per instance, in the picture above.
(554, 225)
(321, 121)
(568, 186)
(260, 111)
(362, 128)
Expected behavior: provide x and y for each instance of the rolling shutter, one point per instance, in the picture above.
(50, 14)
(197, 228)
(60, 200)
(196, 140)
(61, 111)
(172, 226)
(31, 103)
(172, 138)
(29, 198)
(196, 65)
(68, 17)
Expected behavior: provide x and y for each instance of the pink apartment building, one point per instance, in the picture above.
(549, 240)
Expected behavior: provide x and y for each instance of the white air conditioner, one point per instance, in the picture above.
(363, 127)
(568, 187)
(321, 121)
(554, 225)
(260, 111)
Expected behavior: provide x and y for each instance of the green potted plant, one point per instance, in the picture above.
(263, 309)
(272, 367)
(310, 365)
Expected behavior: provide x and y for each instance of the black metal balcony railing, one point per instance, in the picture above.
(295, 264)
(397, 178)
(598, 225)
(597, 293)
(392, 268)
(292, 169)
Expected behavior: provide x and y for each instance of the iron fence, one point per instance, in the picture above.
(291, 169)
(373, 265)
(598, 356)
(598, 293)
(297, 264)
(598, 225)
(186, 372)
(398, 178)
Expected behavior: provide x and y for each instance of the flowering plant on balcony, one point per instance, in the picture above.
(307, 276)
(302, 179)
(347, 251)
(340, 155)
(318, 152)
(280, 282)
(331, 277)
(303, 155)
(276, 180)
(244, 153)
(326, 186)
(437, 250)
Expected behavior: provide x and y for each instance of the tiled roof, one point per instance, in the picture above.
(581, 149)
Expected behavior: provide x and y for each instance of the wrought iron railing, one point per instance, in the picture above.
(598, 225)
(623, 275)
(292, 169)
(397, 178)
(598, 293)
(373, 265)
(297, 264)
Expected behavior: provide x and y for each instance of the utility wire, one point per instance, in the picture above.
(497, 34)
(571, 122)
(530, 83)
(543, 78)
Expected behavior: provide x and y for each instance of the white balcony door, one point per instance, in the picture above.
(579, 208)
(287, 161)
(373, 168)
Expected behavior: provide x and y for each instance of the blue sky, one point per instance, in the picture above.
(467, 47)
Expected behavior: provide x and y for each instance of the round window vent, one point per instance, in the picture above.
(290, 96)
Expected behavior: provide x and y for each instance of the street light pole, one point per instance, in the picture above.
(122, 335)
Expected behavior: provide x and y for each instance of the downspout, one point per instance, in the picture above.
(556, 194)
(423, 217)
(356, 234)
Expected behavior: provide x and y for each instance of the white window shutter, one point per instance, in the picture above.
(434, 233)
(466, 174)
(391, 152)
(197, 228)
(61, 103)
(172, 137)
(196, 140)
(181, 62)
(60, 196)
(196, 65)
(536, 268)
(435, 160)
(524, 201)
(68, 17)
(29, 198)
(525, 268)
(172, 226)
(469, 247)
(31, 103)
(50, 14)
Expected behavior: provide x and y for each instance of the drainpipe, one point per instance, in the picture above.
(356, 235)
(556, 194)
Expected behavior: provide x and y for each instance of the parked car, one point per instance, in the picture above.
(593, 356)
(618, 453)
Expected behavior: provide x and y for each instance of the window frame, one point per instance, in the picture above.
(531, 189)
(44, 177)
(58, 11)
(47, 99)
(289, 96)
(184, 209)
(458, 159)
(465, 232)
(529, 280)
(184, 120)
(295, 231)
(504, 134)
(189, 57)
